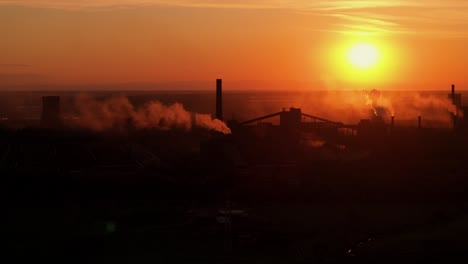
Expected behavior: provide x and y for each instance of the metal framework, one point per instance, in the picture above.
(314, 118)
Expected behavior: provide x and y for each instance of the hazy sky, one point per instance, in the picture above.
(421, 43)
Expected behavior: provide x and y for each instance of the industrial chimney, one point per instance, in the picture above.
(419, 121)
(455, 98)
(219, 99)
(456, 101)
(50, 117)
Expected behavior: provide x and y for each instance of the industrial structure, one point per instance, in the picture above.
(293, 122)
(219, 99)
(91, 192)
(460, 111)
(455, 98)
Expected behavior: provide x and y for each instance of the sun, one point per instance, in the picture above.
(363, 55)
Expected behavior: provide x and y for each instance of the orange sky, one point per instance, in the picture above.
(422, 42)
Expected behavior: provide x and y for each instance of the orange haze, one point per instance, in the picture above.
(298, 44)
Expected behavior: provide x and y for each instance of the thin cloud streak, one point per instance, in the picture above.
(376, 17)
(366, 20)
(99, 4)
(434, 19)
(318, 5)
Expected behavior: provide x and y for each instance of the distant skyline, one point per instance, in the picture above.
(422, 44)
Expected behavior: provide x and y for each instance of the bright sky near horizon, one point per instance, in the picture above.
(415, 43)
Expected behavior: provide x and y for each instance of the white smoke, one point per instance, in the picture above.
(381, 107)
(119, 112)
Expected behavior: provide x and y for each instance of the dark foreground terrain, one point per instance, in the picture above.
(198, 197)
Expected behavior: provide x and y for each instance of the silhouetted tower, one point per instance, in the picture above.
(51, 112)
(419, 121)
(291, 119)
(219, 99)
(456, 98)
(456, 101)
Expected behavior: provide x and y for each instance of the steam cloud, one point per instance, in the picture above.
(436, 109)
(351, 106)
(118, 112)
(379, 105)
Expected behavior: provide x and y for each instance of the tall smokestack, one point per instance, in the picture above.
(456, 101)
(219, 99)
(393, 121)
(419, 121)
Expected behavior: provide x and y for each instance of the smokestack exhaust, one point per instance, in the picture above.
(219, 99)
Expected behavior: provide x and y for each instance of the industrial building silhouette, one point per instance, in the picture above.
(307, 189)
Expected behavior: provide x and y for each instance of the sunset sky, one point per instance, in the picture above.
(421, 44)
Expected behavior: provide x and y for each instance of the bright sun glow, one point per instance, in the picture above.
(363, 55)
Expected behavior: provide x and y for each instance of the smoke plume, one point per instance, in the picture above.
(351, 106)
(118, 112)
(381, 107)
